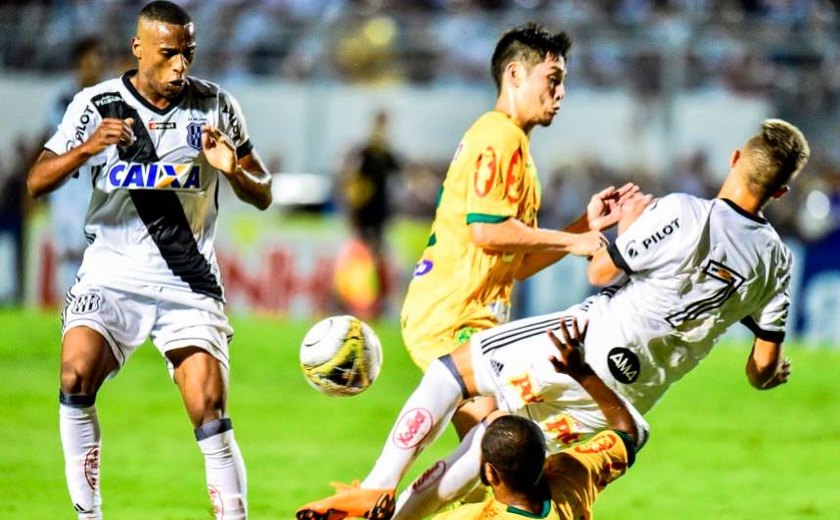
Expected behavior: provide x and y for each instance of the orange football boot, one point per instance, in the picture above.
(350, 501)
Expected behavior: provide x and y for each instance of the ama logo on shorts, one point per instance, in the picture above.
(155, 176)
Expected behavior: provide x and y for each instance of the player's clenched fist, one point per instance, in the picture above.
(111, 131)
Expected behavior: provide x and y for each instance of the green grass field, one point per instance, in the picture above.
(719, 450)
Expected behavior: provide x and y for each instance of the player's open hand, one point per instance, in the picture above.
(219, 149)
(111, 131)
(780, 377)
(631, 209)
(602, 210)
(571, 360)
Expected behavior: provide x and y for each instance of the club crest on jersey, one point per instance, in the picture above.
(194, 135)
(155, 176)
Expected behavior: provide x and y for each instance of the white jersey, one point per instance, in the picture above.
(695, 267)
(152, 214)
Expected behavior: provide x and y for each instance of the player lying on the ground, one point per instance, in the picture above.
(685, 270)
(513, 455)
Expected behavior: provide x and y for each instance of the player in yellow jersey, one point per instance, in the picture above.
(563, 487)
(485, 232)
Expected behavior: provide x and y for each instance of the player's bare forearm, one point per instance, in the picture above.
(536, 262)
(766, 368)
(51, 170)
(251, 181)
(512, 236)
(602, 271)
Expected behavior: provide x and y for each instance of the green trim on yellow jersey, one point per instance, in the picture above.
(521, 512)
(432, 240)
(485, 218)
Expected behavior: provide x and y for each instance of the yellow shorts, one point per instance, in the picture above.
(425, 348)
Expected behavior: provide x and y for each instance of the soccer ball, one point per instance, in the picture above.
(340, 355)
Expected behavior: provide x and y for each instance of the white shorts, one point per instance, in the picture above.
(172, 318)
(511, 362)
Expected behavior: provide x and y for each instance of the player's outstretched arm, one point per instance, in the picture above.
(766, 368)
(601, 213)
(571, 361)
(248, 176)
(51, 170)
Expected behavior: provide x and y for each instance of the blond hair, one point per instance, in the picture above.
(775, 156)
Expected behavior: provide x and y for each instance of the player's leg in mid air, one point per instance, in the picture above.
(86, 360)
(422, 419)
(202, 381)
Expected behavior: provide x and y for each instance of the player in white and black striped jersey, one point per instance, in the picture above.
(686, 269)
(153, 143)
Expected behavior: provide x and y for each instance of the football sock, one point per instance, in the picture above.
(78, 426)
(420, 422)
(225, 469)
(446, 481)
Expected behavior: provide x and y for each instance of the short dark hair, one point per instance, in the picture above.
(529, 43)
(516, 448)
(167, 12)
(83, 46)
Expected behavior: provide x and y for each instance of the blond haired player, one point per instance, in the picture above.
(564, 486)
(686, 269)
(485, 232)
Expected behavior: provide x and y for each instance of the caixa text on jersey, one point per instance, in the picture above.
(155, 176)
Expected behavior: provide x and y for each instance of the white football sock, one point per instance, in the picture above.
(446, 481)
(226, 479)
(81, 441)
(421, 421)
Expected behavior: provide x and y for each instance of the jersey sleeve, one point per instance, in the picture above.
(652, 239)
(769, 321)
(79, 122)
(578, 474)
(232, 123)
(496, 180)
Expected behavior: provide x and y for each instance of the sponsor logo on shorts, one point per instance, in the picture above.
(632, 249)
(194, 135)
(162, 125)
(92, 467)
(430, 476)
(86, 303)
(423, 267)
(624, 365)
(497, 366)
(562, 428)
(412, 428)
(526, 389)
(155, 176)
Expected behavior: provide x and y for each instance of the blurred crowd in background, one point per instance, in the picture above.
(786, 52)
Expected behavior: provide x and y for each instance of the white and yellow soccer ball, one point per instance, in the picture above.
(341, 355)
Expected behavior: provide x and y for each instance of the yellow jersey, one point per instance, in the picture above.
(578, 474)
(575, 477)
(493, 509)
(457, 287)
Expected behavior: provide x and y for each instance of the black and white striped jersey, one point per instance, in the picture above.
(152, 213)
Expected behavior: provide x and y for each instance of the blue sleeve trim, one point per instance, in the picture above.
(776, 336)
